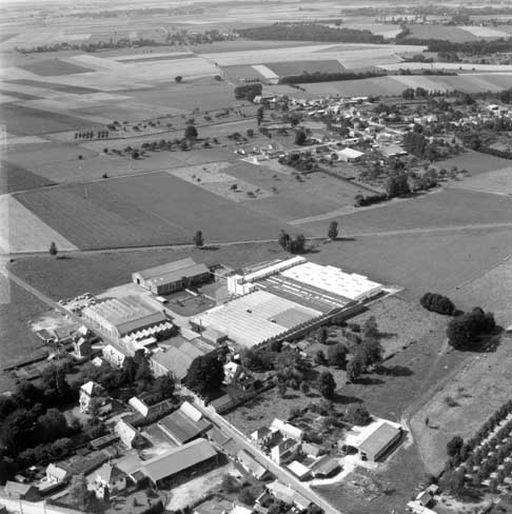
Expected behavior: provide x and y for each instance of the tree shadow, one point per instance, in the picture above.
(344, 399)
(395, 371)
(387, 335)
(366, 380)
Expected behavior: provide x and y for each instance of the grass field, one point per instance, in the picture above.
(144, 210)
(16, 178)
(299, 67)
(21, 230)
(498, 182)
(420, 262)
(63, 88)
(450, 207)
(449, 33)
(53, 67)
(378, 86)
(474, 162)
(99, 271)
(17, 339)
(23, 121)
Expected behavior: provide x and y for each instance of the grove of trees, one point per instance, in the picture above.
(464, 330)
(437, 303)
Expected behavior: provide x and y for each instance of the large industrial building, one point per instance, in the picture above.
(127, 315)
(283, 300)
(172, 276)
(256, 318)
(327, 283)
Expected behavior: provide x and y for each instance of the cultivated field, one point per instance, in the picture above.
(449, 33)
(144, 210)
(16, 178)
(474, 162)
(299, 67)
(21, 230)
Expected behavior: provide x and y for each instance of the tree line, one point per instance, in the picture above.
(310, 32)
(306, 78)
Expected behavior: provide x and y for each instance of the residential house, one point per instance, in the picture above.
(114, 355)
(286, 429)
(264, 436)
(129, 435)
(109, 481)
(82, 348)
(89, 391)
(288, 495)
(55, 474)
(18, 491)
(284, 451)
(252, 466)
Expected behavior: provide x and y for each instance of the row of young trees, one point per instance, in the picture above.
(437, 303)
(295, 246)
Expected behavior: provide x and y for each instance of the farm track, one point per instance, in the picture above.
(148, 248)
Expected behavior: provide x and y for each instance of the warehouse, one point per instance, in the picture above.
(374, 441)
(118, 317)
(326, 285)
(184, 424)
(256, 318)
(180, 461)
(173, 276)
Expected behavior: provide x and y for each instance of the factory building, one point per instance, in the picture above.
(173, 276)
(119, 317)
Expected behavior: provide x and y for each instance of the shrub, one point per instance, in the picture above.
(437, 303)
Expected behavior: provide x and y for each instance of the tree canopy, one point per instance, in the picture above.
(206, 374)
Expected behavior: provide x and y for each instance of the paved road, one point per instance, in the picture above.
(282, 474)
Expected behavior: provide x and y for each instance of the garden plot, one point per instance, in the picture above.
(212, 178)
(22, 231)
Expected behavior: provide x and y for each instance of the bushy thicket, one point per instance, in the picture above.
(437, 303)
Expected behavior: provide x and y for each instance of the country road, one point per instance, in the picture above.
(345, 235)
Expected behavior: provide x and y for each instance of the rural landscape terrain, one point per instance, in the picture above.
(319, 196)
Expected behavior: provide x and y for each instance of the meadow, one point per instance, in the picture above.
(144, 210)
(16, 178)
(449, 33)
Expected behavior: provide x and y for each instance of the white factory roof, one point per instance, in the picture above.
(274, 268)
(256, 317)
(334, 280)
(350, 153)
(357, 436)
(298, 469)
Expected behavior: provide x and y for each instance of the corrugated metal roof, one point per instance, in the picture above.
(166, 268)
(178, 459)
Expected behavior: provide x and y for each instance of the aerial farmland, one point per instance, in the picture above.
(254, 162)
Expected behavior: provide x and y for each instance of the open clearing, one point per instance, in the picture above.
(144, 210)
